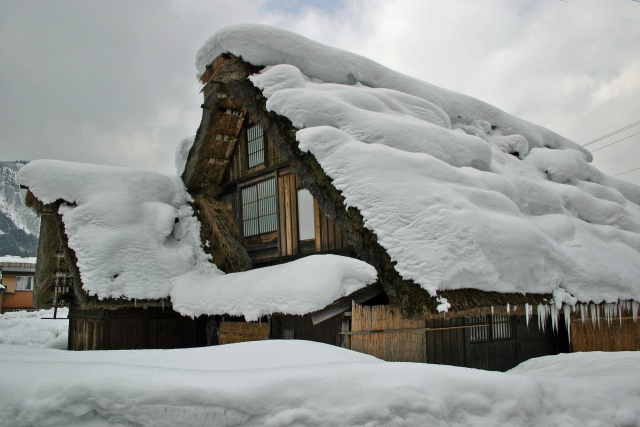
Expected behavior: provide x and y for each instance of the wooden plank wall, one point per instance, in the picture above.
(288, 211)
(233, 332)
(447, 346)
(328, 236)
(394, 347)
(86, 334)
(130, 329)
(327, 332)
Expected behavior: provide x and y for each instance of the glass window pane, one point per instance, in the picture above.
(306, 224)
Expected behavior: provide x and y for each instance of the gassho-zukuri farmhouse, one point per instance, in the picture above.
(326, 197)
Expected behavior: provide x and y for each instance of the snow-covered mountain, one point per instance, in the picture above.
(19, 225)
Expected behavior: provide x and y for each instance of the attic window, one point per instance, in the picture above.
(24, 283)
(259, 208)
(255, 145)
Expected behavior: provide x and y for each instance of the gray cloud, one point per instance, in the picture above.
(114, 82)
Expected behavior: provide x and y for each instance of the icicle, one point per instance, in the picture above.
(567, 320)
(526, 313)
(620, 313)
(491, 310)
(635, 310)
(554, 318)
(607, 313)
(583, 313)
(594, 314)
(508, 309)
(543, 315)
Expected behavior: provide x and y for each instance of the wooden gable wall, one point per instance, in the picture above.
(285, 242)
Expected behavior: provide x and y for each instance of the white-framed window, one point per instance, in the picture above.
(255, 145)
(306, 217)
(259, 208)
(24, 283)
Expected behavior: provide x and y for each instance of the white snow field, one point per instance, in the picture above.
(300, 383)
(459, 193)
(35, 328)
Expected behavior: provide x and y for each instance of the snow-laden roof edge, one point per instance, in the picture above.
(132, 231)
(296, 287)
(264, 45)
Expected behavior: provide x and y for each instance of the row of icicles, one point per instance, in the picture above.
(607, 311)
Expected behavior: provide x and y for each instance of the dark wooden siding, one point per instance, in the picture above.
(130, 328)
(301, 328)
(452, 345)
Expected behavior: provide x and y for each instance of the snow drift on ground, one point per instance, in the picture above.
(35, 328)
(296, 287)
(131, 230)
(459, 193)
(298, 383)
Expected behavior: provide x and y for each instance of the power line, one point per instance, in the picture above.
(608, 145)
(622, 173)
(612, 133)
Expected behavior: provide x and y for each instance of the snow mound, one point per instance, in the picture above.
(132, 230)
(294, 383)
(35, 328)
(459, 193)
(297, 287)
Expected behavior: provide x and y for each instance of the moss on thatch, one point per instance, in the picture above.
(220, 235)
(227, 77)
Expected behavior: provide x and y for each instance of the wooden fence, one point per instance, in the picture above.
(233, 332)
(620, 335)
(405, 346)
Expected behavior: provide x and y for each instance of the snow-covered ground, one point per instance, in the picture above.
(300, 383)
(35, 328)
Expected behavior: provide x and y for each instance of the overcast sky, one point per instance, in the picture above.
(113, 82)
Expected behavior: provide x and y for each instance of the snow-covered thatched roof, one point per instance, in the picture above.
(131, 231)
(132, 234)
(460, 194)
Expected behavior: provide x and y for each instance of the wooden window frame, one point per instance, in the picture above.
(256, 146)
(261, 208)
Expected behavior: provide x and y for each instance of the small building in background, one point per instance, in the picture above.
(18, 283)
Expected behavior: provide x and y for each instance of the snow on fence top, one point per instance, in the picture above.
(131, 230)
(459, 193)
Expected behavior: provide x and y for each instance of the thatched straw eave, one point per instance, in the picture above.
(227, 78)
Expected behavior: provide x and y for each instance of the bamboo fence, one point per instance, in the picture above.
(405, 346)
(619, 335)
(233, 332)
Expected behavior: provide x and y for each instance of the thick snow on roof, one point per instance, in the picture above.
(296, 287)
(132, 230)
(459, 193)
